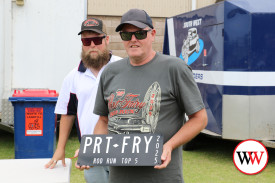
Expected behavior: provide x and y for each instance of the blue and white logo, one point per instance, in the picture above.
(192, 47)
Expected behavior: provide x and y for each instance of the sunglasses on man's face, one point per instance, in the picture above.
(127, 36)
(96, 40)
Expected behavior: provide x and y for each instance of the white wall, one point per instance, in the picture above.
(155, 8)
(1, 47)
(45, 42)
(5, 47)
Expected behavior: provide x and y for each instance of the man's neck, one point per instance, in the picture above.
(95, 71)
(142, 61)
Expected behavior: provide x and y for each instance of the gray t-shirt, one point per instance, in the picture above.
(151, 98)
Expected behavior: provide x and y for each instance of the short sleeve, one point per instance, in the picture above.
(101, 105)
(186, 89)
(67, 100)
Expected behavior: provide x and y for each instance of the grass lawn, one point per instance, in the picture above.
(210, 162)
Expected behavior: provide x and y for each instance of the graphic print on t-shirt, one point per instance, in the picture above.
(130, 115)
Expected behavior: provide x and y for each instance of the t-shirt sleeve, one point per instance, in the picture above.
(101, 104)
(186, 89)
(67, 100)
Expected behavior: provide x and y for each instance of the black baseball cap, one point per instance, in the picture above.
(136, 17)
(93, 24)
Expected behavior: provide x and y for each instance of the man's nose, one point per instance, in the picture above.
(133, 38)
(92, 44)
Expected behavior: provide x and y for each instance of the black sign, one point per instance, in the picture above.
(120, 150)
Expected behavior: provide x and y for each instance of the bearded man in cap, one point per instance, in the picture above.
(77, 96)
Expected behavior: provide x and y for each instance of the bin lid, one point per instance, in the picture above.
(35, 93)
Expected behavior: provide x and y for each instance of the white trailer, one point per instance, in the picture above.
(39, 45)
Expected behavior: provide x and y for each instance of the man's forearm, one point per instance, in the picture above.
(65, 126)
(190, 129)
(101, 125)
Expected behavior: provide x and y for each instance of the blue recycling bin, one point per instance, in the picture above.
(34, 123)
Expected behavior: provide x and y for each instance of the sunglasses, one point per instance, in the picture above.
(96, 40)
(127, 36)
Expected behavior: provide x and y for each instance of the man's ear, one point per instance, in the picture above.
(107, 40)
(153, 33)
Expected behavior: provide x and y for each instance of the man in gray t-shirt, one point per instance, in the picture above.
(149, 93)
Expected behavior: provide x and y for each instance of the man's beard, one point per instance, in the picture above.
(96, 63)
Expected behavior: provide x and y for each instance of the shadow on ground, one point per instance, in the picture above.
(217, 146)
